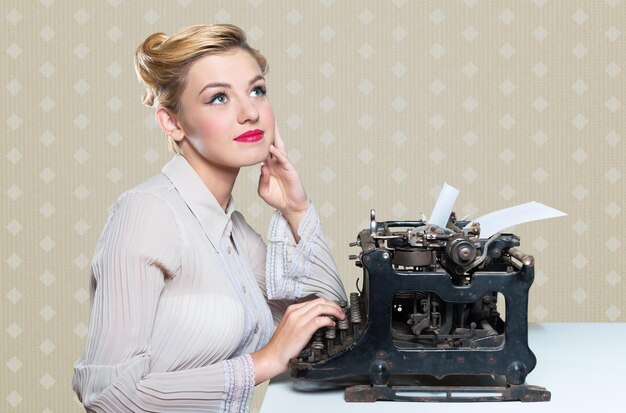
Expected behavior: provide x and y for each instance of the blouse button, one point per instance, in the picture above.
(229, 250)
(256, 329)
(245, 290)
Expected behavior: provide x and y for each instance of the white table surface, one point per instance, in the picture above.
(583, 365)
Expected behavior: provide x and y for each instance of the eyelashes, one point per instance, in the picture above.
(221, 97)
(260, 90)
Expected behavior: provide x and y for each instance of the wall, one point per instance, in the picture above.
(380, 102)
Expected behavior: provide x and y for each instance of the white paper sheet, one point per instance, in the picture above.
(504, 218)
(444, 205)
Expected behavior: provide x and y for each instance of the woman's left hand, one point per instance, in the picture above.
(280, 185)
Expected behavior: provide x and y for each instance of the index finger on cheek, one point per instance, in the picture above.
(278, 140)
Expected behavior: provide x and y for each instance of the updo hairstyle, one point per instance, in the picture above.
(162, 62)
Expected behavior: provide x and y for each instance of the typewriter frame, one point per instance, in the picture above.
(374, 368)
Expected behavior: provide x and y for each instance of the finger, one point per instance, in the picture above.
(264, 180)
(270, 158)
(319, 307)
(322, 300)
(310, 301)
(320, 322)
(278, 140)
(306, 325)
(279, 156)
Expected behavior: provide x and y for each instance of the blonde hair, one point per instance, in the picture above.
(162, 62)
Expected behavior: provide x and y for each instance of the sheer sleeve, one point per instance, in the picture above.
(292, 271)
(138, 251)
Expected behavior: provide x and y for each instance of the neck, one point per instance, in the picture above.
(218, 179)
(220, 184)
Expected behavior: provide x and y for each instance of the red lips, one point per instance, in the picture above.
(253, 135)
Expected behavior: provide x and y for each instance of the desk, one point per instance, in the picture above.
(582, 365)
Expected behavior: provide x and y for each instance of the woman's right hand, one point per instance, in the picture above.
(280, 185)
(293, 333)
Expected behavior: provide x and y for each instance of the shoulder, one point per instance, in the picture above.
(141, 221)
(156, 190)
(151, 200)
(141, 228)
(158, 186)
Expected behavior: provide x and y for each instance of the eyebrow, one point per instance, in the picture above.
(226, 85)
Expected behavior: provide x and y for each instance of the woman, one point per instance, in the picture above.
(184, 293)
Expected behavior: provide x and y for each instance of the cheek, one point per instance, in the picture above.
(268, 116)
(211, 128)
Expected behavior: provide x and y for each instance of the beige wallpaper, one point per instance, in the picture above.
(380, 102)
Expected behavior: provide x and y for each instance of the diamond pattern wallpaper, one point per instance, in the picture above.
(379, 102)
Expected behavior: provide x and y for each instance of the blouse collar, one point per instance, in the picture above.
(213, 219)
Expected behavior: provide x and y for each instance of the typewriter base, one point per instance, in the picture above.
(429, 393)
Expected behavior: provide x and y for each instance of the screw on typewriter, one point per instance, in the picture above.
(442, 316)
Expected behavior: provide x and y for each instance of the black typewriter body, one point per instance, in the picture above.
(441, 315)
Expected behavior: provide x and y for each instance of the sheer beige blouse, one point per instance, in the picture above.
(182, 292)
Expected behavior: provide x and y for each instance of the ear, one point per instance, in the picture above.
(169, 124)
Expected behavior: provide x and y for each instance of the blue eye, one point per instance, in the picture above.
(259, 91)
(218, 99)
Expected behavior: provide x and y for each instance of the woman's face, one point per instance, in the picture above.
(226, 116)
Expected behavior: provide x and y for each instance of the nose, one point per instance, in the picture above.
(248, 112)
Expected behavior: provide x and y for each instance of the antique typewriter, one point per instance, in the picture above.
(440, 315)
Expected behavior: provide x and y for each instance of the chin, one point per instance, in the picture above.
(253, 160)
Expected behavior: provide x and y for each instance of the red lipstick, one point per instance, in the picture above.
(253, 135)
